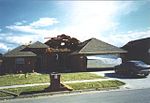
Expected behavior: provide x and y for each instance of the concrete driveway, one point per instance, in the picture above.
(131, 83)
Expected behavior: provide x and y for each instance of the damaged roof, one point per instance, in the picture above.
(91, 46)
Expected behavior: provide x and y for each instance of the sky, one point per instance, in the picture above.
(115, 22)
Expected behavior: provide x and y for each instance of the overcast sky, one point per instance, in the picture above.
(115, 22)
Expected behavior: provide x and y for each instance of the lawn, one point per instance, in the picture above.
(97, 85)
(79, 76)
(75, 86)
(23, 89)
(15, 79)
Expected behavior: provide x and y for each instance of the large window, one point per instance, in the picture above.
(20, 61)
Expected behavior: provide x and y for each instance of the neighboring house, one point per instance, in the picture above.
(137, 50)
(46, 57)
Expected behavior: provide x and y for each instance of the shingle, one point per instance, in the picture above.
(38, 45)
(95, 47)
(18, 53)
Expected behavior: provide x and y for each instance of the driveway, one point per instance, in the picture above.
(131, 83)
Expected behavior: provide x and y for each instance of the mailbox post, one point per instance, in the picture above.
(55, 81)
(55, 84)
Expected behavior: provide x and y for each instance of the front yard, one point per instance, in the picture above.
(75, 86)
(16, 79)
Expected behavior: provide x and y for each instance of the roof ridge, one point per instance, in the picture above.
(88, 41)
(38, 43)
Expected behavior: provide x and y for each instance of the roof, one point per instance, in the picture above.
(94, 46)
(138, 44)
(38, 45)
(141, 40)
(18, 53)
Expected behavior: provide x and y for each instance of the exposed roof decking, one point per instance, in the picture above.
(95, 47)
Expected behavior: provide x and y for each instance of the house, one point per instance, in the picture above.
(16, 60)
(137, 50)
(25, 58)
(60, 54)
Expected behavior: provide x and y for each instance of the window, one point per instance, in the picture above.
(20, 61)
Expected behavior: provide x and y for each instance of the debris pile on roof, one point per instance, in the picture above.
(62, 43)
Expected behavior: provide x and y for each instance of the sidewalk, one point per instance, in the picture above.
(67, 82)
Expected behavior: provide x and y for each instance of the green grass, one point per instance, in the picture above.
(96, 85)
(23, 89)
(15, 79)
(79, 76)
(76, 86)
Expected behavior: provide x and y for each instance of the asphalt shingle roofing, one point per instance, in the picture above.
(38, 45)
(18, 53)
(94, 46)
